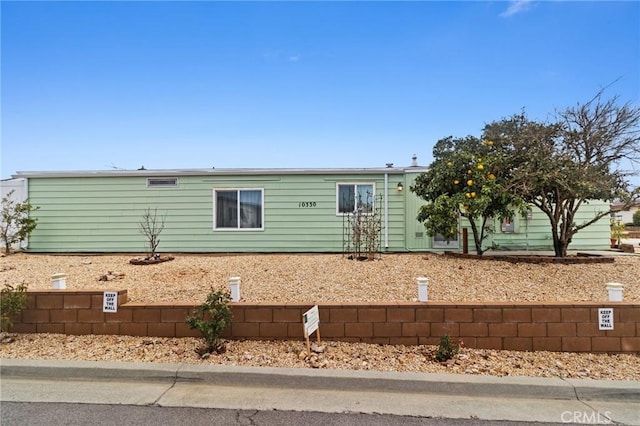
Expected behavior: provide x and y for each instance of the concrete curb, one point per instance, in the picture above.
(346, 380)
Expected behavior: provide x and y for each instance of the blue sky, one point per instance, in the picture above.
(102, 85)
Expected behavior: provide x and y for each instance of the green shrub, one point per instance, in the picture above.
(211, 319)
(636, 218)
(12, 301)
(617, 229)
(447, 349)
(16, 224)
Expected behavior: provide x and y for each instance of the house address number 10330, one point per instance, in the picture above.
(307, 204)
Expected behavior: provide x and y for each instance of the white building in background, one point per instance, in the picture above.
(624, 216)
(19, 188)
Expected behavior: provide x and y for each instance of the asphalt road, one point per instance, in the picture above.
(38, 392)
(47, 414)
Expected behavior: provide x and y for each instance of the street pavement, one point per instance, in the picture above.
(46, 414)
(449, 396)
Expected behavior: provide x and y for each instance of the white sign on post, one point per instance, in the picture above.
(110, 301)
(311, 322)
(605, 318)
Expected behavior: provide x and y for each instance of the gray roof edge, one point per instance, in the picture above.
(214, 172)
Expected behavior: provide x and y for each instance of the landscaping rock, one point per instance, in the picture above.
(322, 278)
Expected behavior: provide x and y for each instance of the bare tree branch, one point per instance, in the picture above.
(151, 226)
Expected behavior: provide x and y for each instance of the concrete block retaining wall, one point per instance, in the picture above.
(569, 327)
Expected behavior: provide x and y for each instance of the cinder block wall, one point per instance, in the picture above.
(569, 327)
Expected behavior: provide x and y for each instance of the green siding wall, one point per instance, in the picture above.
(415, 233)
(102, 214)
(535, 233)
(530, 234)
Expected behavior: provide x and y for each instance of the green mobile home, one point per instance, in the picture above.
(251, 210)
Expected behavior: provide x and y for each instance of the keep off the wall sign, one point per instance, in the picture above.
(605, 319)
(110, 301)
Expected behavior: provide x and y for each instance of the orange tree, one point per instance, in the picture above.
(466, 179)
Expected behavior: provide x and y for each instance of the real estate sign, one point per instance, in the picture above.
(311, 321)
(311, 324)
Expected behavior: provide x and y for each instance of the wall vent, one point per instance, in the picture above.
(162, 182)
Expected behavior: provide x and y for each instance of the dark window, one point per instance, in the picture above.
(355, 196)
(238, 209)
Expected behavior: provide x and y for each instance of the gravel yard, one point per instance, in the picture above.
(337, 355)
(327, 278)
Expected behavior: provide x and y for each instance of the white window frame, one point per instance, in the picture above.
(443, 244)
(238, 228)
(355, 184)
(512, 227)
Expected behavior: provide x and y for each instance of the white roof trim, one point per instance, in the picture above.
(214, 172)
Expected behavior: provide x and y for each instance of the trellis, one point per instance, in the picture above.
(361, 231)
